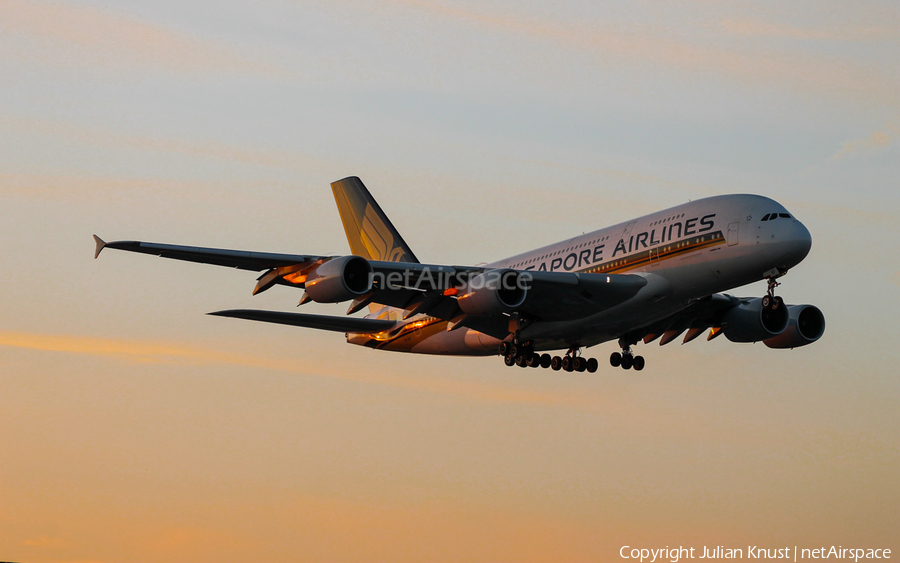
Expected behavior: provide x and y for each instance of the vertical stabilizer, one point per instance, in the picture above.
(369, 231)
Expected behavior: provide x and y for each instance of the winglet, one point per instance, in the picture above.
(100, 245)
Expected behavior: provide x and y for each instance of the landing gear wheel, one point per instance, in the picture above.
(514, 350)
(579, 364)
(567, 363)
(592, 365)
(638, 363)
(556, 363)
(770, 301)
(615, 359)
(627, 361)
(545, 361)
(504, 348)
(533, 360)
(520, 361)
(509, 360)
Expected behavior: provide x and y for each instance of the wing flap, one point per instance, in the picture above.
(557, 296)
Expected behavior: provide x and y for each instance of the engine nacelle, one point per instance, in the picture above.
(494, 291)
(805, 325)
(751, 322)
(340, 279)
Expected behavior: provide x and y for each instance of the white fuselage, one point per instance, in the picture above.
(685, 253)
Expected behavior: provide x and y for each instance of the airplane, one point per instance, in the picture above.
(654, 277)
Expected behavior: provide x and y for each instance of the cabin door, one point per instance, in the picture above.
(733, 233)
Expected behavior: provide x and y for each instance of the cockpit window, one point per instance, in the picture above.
(784, 215)
(766, 218)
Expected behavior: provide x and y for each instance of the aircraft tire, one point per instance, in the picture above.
(504, 348)
(627, 361)
(533, 360)
(615, 359)
(567, 363)
(555, 363)
(520, 361)
(509, 360)
(592, 365)
(545, 361)
(638, 363)
(579, 364)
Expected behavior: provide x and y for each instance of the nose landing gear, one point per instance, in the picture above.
(770, 301)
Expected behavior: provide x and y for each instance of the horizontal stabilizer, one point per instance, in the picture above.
(321, 322)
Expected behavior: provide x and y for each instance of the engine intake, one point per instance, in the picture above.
(340, 279)
(494, 291)
(805, 325)
(751, 322)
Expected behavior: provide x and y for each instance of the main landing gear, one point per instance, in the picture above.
(523, 355)
(626, 359)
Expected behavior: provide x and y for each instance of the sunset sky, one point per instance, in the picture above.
(134, 428)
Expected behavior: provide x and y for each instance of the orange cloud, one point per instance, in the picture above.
(607, 405)
(79, 135)
(703, 53)
(761, 28)
(161, 352)
(877, 140)
(72, 34)
(845, 214)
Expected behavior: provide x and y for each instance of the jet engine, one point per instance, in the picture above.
(806, 324)
(493, 292)
(340, 279)
(751, 322)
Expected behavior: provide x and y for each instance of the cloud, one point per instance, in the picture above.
(42, 541)
(58, 33)
(877, 140)
(702, 52)
(845, 213)
(752, 27)
(615, 406)
(81, 135)
(72, 187)
(137, 351)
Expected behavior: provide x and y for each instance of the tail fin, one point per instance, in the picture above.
(369, 231)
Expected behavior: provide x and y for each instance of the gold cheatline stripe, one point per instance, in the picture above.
(665, 256)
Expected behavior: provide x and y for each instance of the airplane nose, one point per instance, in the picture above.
(800, 243)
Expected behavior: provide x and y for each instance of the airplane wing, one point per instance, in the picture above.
(240, 259)
(706, 313)
(322, 322)
(416, 288)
